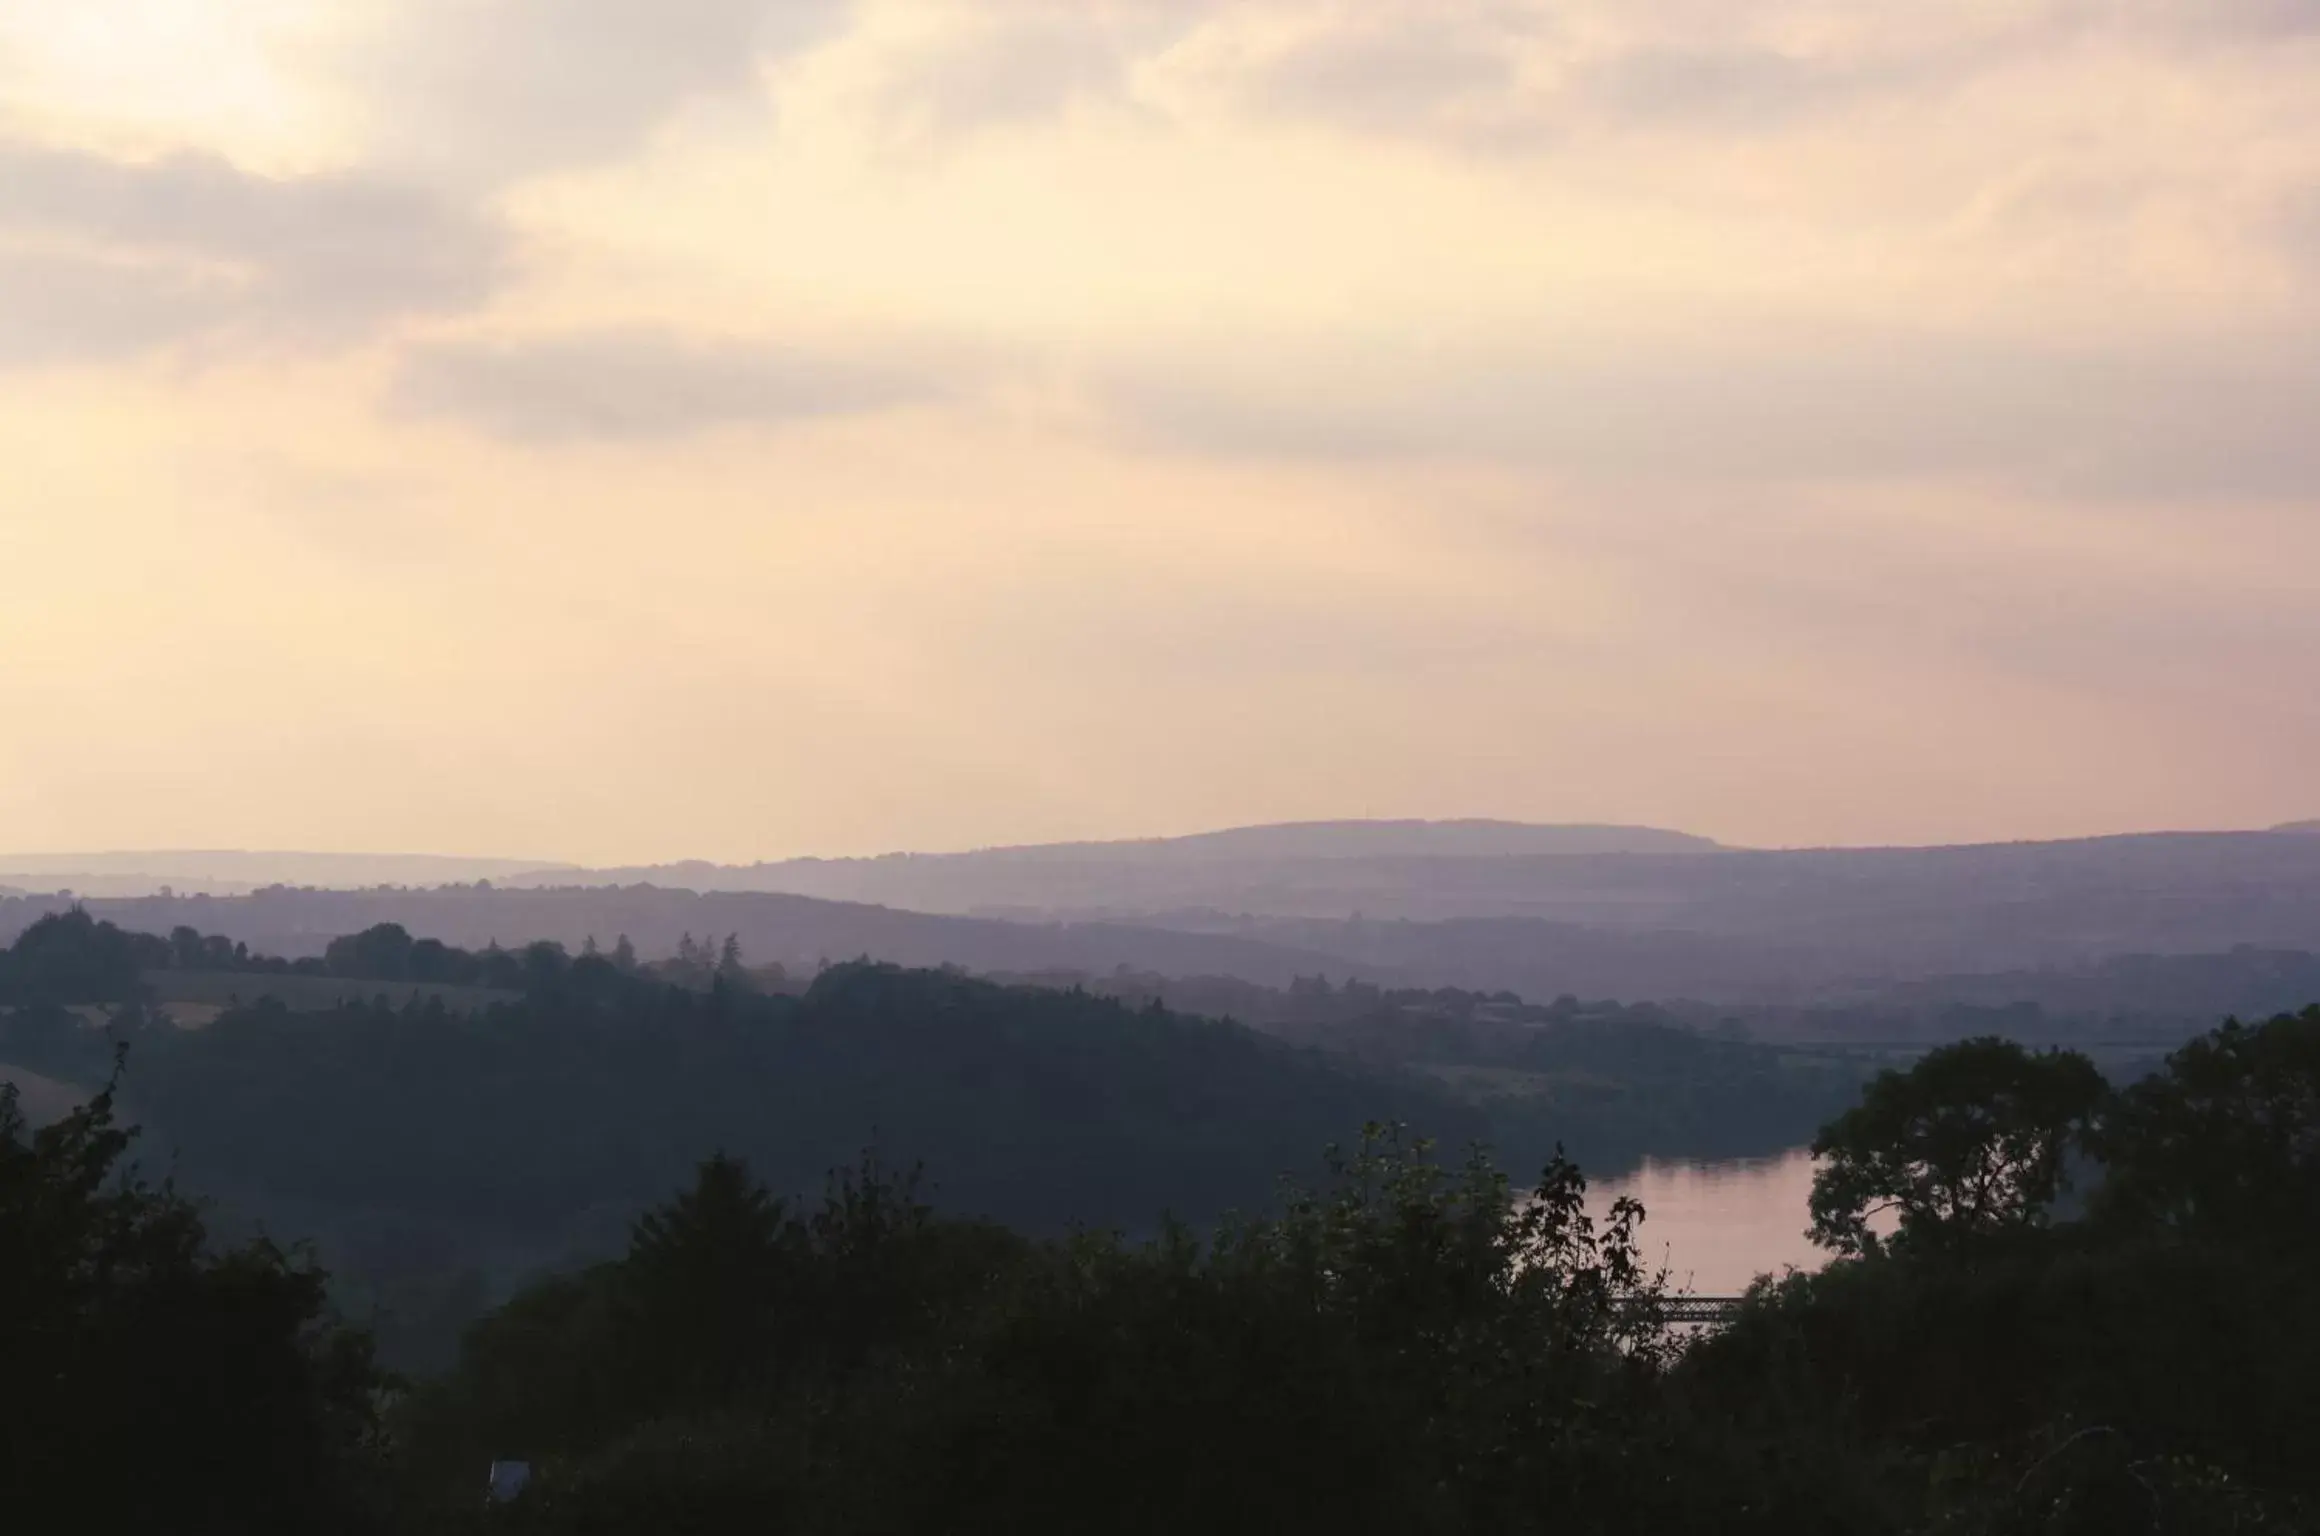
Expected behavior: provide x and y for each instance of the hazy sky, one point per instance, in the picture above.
(622, 429)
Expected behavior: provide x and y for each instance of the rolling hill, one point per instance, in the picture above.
(1322, 867)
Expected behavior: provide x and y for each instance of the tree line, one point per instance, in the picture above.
(71, 957)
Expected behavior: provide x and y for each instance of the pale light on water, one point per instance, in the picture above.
(1717, 1226)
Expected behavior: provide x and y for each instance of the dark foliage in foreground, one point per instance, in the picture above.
(150, 1382)
(1414, 1348)
(1410, 1347)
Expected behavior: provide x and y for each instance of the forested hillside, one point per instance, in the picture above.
(444, 1119)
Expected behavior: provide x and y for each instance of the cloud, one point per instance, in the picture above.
(637, 384)
(1005, 71)
(1498, 91)
(1733, 87)
(1395, 76)
(106, 257)
(2130, 420)
(1499, 74)
(2217, 20)
(2298, 225)
(64, 310)
(484, 91)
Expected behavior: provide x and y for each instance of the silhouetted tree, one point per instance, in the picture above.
(701, 1288)
(148, 1383)
(378, 953)
(1970, 1141)
(2225, 1141)
(71, 957)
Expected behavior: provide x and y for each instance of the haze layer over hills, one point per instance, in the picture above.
(1621, 913)
(232, 871)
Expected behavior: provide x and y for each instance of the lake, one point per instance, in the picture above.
(1719, 1225)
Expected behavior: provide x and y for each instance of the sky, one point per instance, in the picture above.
(618, 430)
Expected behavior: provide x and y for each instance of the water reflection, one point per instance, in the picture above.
(1719, 1225)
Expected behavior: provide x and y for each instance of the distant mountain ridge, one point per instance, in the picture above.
(1620, 879)
(1132, 877)
(872, 878)
(1469, 837)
